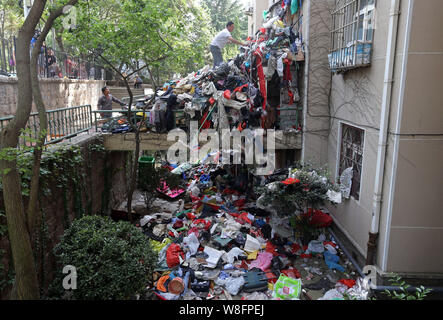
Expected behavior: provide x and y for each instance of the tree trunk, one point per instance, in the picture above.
(23, 258)
(134, 167)
(34, 216)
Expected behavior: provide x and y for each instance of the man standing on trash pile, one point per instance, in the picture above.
(220, 41)
(105, 102)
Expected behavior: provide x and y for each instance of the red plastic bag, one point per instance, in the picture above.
(292, 273)
(347, 282)
(173, 255)
(318, 218)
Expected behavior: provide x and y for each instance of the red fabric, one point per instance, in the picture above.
(290, 181)
(172, 255)
(347, 282)
(190, 216)
(261, 77)
(292, 273)
(240, 202)
(271, 248)
(295, 247)
(206, 124)
(244, 216)
(318, 218)
(207, 224)
(193, 230)
(178, 224)
(227, 94)
(239, 89)
(330, 242)
(304, 255)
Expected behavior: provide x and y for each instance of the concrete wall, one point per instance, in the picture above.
(57, 93)
(415, 222)
(316, 26)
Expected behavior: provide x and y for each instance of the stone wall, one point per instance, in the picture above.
(57, 93)
(103, 187)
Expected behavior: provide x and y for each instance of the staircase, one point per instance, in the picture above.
(120, 92)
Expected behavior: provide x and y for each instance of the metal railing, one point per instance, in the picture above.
(178, 115)
(62, 124)
(53, 63)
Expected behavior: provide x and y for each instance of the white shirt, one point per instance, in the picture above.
(221, 39)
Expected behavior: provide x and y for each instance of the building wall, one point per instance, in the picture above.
(410, 222)
(57, 93)
(415, 223)
(356, 98)
(316, 22)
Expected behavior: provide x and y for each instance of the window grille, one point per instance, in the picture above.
(352, 34)
(351, 155)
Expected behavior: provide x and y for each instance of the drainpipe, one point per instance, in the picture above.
(383, 135)
(307, 64)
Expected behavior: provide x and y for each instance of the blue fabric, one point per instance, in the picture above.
(332, 260)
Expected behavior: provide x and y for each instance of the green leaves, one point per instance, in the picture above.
(113, 259)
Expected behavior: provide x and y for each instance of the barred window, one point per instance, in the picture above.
(352, 34)
(351, 155)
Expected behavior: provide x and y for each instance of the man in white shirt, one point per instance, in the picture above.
(220, 41)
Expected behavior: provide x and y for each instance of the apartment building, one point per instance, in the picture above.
(373, 107)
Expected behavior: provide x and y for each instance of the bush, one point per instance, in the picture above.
(113, 259)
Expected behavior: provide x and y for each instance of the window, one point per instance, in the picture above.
(351, 155)
(352, 34)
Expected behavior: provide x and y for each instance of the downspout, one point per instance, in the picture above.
(306, 76)
(383, 135)
(362, 275)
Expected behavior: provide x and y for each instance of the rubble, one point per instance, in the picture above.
(232, 240)
(216, 244)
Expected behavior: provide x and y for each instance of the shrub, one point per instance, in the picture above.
(113, 259)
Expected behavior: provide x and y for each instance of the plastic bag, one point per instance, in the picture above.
(233, 254)
(251, 244)
(173, 255)
(287, 288)
(263, 261)
(232, 285)
(315, 246)
(192, 243)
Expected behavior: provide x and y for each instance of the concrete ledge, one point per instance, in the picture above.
(155, 142)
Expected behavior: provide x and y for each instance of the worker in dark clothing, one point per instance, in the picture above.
(170, 119)
(105, 102)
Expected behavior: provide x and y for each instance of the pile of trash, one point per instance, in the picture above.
(258, 88)
(220, 244)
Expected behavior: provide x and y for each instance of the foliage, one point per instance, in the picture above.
(403, 294)
(157, 175)
(113, 259)
(228, 10)
(133, 33)
(5, 279)
(307, 190)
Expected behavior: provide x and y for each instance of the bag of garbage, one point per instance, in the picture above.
(173, 255)
(233, 254)
(315, 246)
(231, 284)
(192, 243)
(287, 288)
